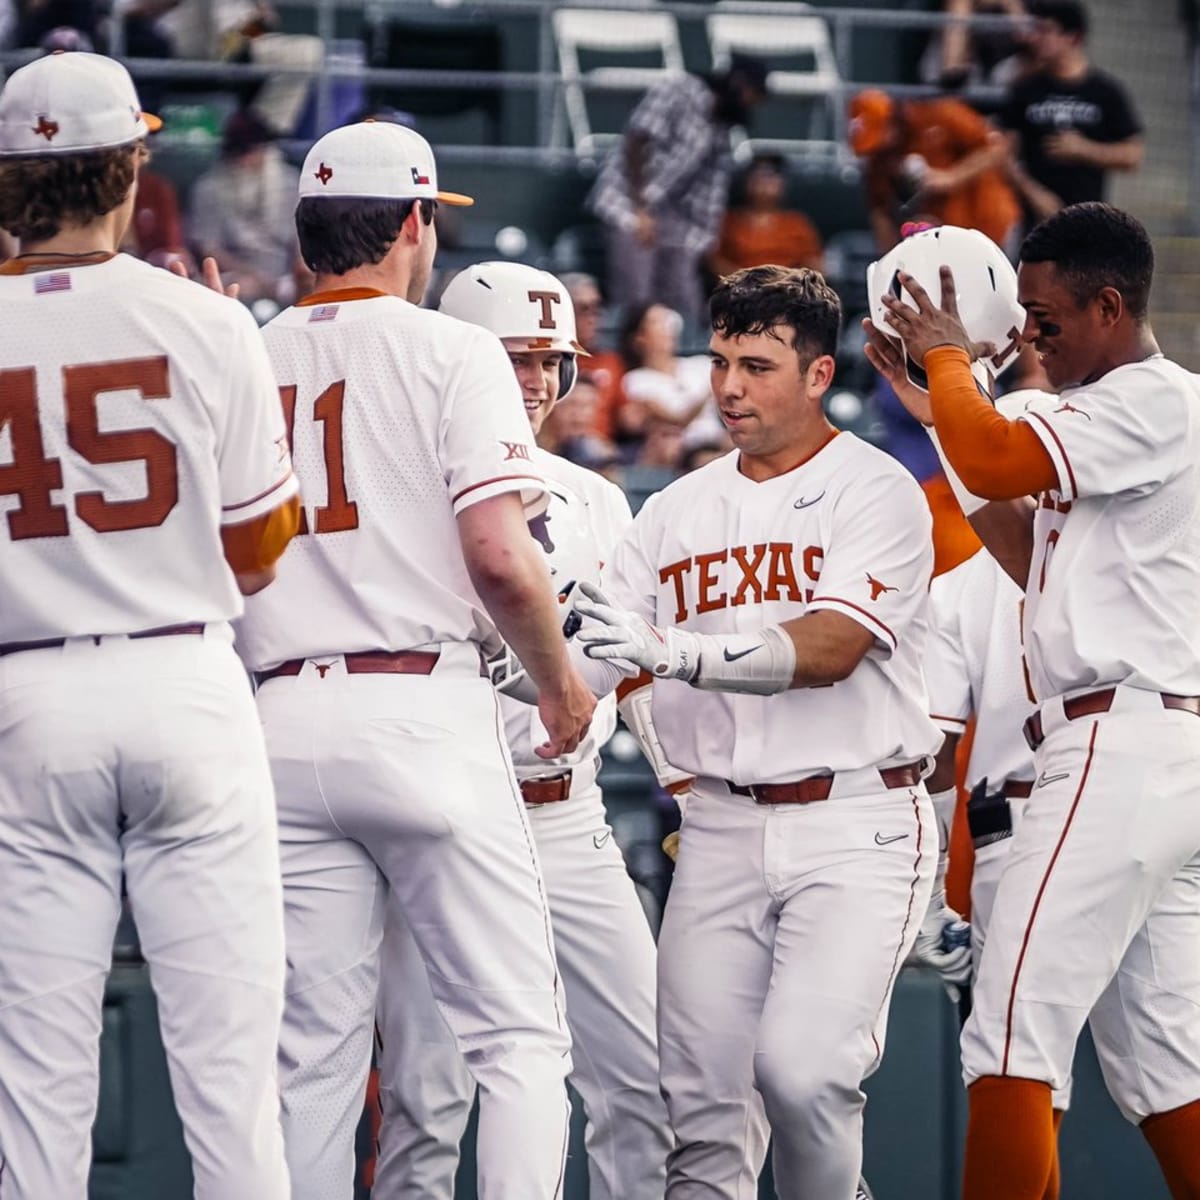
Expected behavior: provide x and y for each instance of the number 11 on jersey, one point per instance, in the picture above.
(339, 512)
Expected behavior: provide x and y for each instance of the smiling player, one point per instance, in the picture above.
(777, 596)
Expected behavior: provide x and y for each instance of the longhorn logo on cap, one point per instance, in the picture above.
(46, 127)
(418, 178)
(324, 174)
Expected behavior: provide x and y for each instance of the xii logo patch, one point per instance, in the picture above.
(516, 450)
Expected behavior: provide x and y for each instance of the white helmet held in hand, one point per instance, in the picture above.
(985, 283)
(520, 303)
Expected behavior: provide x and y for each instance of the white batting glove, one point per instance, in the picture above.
(944, 942)
(663, 653)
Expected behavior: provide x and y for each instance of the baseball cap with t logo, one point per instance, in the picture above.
(70, 104)
(374, 160)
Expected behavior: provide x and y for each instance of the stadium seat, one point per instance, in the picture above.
(603, 33)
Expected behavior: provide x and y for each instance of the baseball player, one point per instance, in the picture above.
(777, 597)
(144, 480)
(604, 945)
(385, 738)
(1098, 908)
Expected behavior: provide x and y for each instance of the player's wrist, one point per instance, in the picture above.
(762, 663)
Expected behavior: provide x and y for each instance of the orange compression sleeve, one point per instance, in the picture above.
(255, 545)
(995, 458)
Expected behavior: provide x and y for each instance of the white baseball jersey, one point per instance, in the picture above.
(1114, 586)
(125, 447)
(847, 530)
(973, 666)
(429, 421)
(582, 524)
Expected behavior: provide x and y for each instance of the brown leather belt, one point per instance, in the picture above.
(1089, 704)
(818, 787)
(546, 791)
(368, 662)
(1018, 789)
(194, 627)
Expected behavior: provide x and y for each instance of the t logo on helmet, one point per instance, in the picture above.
(1001, 357)
(547, 300)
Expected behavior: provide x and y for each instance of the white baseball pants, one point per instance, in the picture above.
(783, 933)
(402, 782)
(606, 955)
(144, 756)
(1098, 911)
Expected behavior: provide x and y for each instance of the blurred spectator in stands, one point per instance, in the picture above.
(761, 230)
(935, 160)
(965, 57)
(156, 231)
(38, 18)
(604, 366)
(241, 212)
(1069, 124)
(662, 446)
(8, 23)
(659, 386)
(662, 190)
(238, 31)
(569, 429)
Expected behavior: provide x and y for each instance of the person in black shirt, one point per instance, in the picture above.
(1069, 124)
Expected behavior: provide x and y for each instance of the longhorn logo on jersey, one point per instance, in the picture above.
(878, 587)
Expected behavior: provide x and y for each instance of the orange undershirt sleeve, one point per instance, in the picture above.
(995, 458)
(255, 545)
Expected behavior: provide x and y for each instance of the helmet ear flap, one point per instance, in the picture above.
(568, 372)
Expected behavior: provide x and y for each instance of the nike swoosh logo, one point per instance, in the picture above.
(600, 840)
(741, 653)
(802, 503)
(1044, 779)
(880, 840)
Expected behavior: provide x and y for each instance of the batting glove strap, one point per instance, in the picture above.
(759, 664)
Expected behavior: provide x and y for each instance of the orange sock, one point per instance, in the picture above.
(1010, 1140)
(1055, 1184)
(1175, 1139)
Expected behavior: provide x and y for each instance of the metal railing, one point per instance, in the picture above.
(545, 82)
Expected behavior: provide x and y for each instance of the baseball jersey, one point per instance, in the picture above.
(973, 666)
(400, 418)
(1113, 595)
(583, 522)
(138, 414)
(848, 530)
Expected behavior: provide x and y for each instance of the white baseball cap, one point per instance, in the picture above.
(68, 104)
(376, 160)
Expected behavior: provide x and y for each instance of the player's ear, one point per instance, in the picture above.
(819, 375)
(1110, 304)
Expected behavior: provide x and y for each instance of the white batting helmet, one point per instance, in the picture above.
(986, 292)
(521, 303)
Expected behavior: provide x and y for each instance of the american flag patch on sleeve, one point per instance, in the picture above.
(56, 281)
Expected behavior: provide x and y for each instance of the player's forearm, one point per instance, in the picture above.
(252, 548)
(996, 459)
(515, 588)
(1115, 156)
(828, 647)
(1005, 527)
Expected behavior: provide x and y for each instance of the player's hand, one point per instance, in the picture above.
(944, 943)
(645, 230)
(886, 355)
(1069, 145)
(566, 713)
(618, 634)
(928, 326)
(210, 275)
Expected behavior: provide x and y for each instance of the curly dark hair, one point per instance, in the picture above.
(337, 235)
(38, 196)
(1094, 246)
(760, 299)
